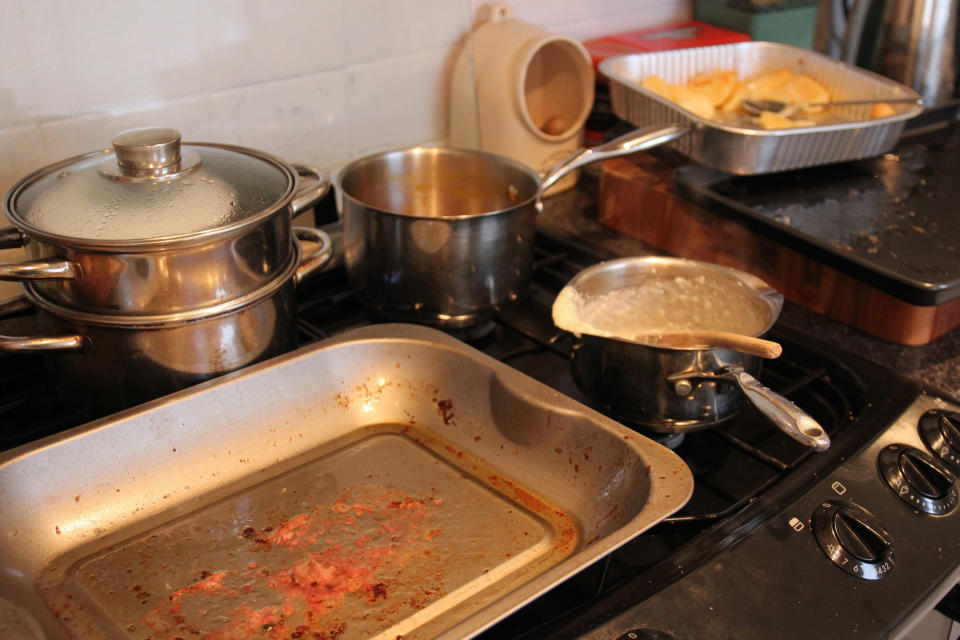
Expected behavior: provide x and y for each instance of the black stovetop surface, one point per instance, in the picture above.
(890, 221)
(737, 467)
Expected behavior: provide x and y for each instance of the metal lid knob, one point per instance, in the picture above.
(151, 153)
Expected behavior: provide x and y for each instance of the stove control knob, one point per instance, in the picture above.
(919, 479)
(853, 539)
(940, 431)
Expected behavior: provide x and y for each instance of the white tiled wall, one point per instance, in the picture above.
(315, 81)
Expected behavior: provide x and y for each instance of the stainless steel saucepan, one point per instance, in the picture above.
(445, 236)
(677, 389)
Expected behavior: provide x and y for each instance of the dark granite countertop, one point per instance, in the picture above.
(573, 214)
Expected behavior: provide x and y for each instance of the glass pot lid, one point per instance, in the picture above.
(151, 186)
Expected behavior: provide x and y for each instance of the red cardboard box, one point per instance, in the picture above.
(681, 35)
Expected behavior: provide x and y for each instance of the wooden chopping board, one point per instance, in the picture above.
(636, 198)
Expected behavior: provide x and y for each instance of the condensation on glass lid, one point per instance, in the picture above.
(663, 304)
(84, 205)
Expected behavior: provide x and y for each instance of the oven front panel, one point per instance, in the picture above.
(779, 582)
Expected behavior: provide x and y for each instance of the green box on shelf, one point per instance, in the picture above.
(788, 21)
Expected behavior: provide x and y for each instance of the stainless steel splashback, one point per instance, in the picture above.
(911, 41)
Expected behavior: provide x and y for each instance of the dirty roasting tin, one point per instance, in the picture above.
(746, 150)
(388, 481)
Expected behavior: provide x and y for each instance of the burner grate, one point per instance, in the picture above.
(757, 453)
(29, 409)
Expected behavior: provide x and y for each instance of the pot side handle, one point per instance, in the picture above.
(15, 344)
(11, 238)
(314, 260)
(309, 195)
(632, 142)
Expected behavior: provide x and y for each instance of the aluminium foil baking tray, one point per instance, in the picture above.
(390, 481)
(745, 150)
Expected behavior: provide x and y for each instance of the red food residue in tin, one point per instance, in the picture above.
(313, 567)
(376, 591)
(527, 499)
(568, 536)
(293, 533)
(445, 407)
(208, 585)
(454, 451)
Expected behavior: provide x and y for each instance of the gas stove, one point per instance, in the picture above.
(776, 541)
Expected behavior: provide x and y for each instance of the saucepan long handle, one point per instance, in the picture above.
(787, 416)
(636, 140)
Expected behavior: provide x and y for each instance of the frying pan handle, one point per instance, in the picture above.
(636, 140)
(788, 417)
(20, 306)
(316, 259)
(309, 195)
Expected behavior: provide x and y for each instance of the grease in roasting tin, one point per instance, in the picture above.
(380, 537)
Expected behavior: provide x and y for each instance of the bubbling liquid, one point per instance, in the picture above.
(663, 304)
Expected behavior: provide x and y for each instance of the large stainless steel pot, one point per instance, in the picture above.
(103, 362)
(153, 226)
(445, 236)
(677, 389)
